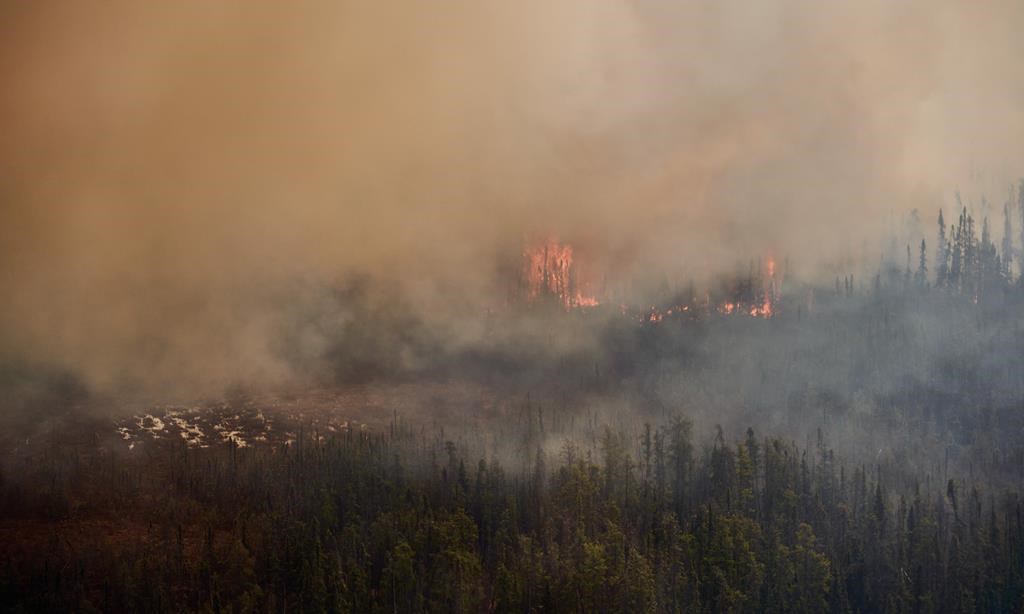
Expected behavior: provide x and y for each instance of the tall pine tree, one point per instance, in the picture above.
(1007, 255)
(942, 255)
(921, 276)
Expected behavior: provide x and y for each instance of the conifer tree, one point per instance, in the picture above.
(921, 276)
(1020, 211)
(1007, 248)
(906, 270)
(942, 255)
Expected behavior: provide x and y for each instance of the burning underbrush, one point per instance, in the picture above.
(557, 274)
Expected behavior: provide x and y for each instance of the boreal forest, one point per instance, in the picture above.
(531, 306)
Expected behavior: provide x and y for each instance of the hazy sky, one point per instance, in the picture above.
(163, 164)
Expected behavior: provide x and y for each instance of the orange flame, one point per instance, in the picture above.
(551, 273)
(765, 297)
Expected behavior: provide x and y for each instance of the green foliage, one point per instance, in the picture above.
(370, 523)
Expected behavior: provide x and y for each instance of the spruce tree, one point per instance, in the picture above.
(941, 255)
(921, 276)
(1007, 249)
(906, 270)
(1020, 211)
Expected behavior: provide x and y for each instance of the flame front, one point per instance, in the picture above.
(550, 273)
(765, 293)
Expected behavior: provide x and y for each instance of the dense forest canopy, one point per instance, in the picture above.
(531, 306)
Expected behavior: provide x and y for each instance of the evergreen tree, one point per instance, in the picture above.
(1020, 212)
(942, 255)
(988, 265)
(906, 270)
(956, 254)
(1007, 247)
(921, 275)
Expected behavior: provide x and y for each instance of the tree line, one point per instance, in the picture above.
(405, 521)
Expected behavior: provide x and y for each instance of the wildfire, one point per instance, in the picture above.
(550, 273)
(653, 315)
(766, 294)
(771, 293)
(762, 311)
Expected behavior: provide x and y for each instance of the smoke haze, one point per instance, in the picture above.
(175, 177)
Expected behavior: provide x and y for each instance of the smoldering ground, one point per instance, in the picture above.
(185, 187)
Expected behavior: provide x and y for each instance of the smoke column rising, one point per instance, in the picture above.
(165, 168)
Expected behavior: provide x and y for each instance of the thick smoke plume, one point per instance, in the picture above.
(178, 181)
